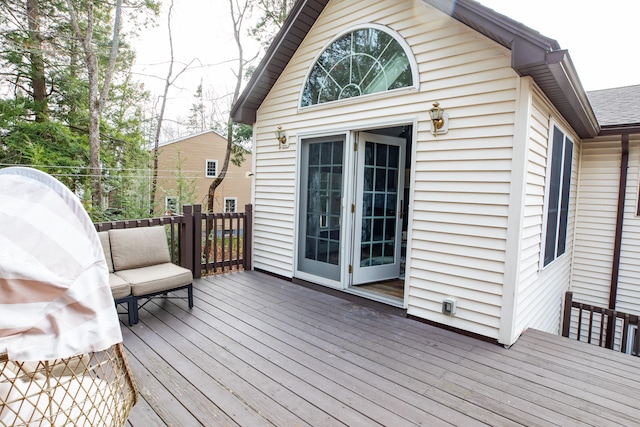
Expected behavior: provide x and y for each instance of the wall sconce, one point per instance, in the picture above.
(439, 119)
(281, 136)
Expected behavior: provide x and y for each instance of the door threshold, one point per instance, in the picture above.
(385, 299)
(386, 305)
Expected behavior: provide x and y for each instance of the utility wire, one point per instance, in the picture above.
(142, 170)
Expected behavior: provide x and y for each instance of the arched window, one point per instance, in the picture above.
(364, 61)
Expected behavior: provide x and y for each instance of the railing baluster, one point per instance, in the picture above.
(207, 240)
(579, 322)
(223, 245)
(237, 236)
(215, 242)
(602, 326)
(590, 326)
(608, 327)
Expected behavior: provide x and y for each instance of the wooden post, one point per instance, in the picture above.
(612, 316)
(246, 236)
(186, 238)
(197, 241)
(566, 318)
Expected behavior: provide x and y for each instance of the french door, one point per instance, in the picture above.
(378, 207)
(320, 218)
(370, 243)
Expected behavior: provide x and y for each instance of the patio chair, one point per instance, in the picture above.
(62, 361)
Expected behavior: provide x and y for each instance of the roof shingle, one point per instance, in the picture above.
(616, 106)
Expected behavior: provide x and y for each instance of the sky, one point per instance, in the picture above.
(602, 39)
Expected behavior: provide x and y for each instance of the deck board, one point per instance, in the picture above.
(259, 351)
(317, 350)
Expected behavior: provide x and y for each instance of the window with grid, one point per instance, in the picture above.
(230, 204)
(171, 205)
(211, 169)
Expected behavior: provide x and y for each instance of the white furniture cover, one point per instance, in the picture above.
(55, 300)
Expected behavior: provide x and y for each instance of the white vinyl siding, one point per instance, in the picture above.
(462, 179)
(540, 292)
(596, 226)
(629, 278)
(593, 258)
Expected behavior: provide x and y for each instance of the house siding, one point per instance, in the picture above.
(461, 180)
(596, 225)
(194, 151)
(541, 290)
(629, 277)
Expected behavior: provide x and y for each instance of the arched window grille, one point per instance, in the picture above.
(361, 62)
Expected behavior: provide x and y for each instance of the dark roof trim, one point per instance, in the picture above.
(295, 28)
(532, 55)
(558, 79)
(492, 24)
(630, 129)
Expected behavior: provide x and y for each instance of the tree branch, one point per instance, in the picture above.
(115, 42)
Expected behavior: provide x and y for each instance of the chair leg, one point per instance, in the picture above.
(132, 306)
(190, 292)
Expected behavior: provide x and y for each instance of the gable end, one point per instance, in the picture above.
(532, 54)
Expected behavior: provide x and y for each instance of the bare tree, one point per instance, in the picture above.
(97, 98)
(239, 10)
(168, 82)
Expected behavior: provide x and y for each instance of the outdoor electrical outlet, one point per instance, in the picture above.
(449, 306)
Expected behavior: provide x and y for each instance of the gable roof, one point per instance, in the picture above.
(532, 55)
(617, 108)
(193, 135)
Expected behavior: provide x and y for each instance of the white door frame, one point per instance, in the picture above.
(348, 196)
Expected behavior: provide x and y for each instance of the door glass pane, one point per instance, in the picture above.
(378, 238)
(323, 197)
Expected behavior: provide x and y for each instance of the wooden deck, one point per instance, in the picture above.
(258, 351)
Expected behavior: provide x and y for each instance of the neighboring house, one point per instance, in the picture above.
(478, 221)
(196, 160)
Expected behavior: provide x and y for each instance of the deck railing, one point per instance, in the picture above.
(604, 327)
(204, 242)
(225, 239)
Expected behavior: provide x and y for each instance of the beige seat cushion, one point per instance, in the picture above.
(156, 278)
(106, 248)
(138, 247)
(119, 287)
